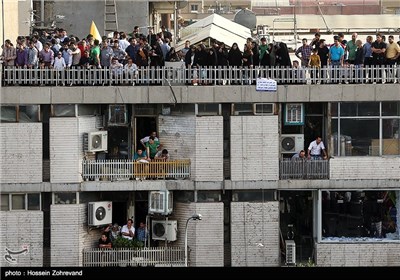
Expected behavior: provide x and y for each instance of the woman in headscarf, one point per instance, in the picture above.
(235, 60)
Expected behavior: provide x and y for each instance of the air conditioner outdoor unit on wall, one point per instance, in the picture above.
(160, 202)
(95, 141)
(99, 213)
(164, 230)
(292, 143)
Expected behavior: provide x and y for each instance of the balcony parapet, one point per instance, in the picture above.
(147, 256)
(120, 170)
(179, 75)
(304, 169)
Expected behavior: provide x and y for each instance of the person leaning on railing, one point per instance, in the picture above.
(316, 148)
(104, 241)
(299, 156)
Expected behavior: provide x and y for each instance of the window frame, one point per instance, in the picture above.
(26, 195)
(379, 117)
(319, 219)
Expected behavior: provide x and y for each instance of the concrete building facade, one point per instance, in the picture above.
(230, 150)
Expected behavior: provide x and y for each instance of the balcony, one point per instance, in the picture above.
(303, 169)
(119, 170)
(160, 256)
(179, 75)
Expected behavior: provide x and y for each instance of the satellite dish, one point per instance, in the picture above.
(246, 18)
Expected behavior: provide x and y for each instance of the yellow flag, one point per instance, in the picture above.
(94, 31)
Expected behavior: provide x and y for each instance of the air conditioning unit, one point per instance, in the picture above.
(99, 213)
(160, 202)
(95, 141)
(290, 252)
(164, 230)
(292, 143)
(264, 108)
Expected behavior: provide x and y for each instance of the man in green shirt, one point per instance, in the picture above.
(95, 54)
(151, 147)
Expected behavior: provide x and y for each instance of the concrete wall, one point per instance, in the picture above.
(255, 234)
(205, 237)
(15, 15)
(358, 254)
(196, 138)
(130, 13)
(68, 233)
(64, 150)
(86, 124)
(66, 147)
(21, 152)
(254, 148)
(178, 135)
(20, 229)
(365, 168)
(191, 94)
(209, 149)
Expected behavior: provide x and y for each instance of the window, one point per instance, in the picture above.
(5, 203)
(184, 196)
(33, 201)
(65, 198)
(64, 110)
(211, 109)
(18, 201)
(365, 128)
(117, 114)
(294, 114)
(254, 196)
(362, 215)
(194, 8)
(242, 109)
(29, 113)
(22, 201)
(208, 196)
(8, 114)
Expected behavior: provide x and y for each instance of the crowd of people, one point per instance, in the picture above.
(126, 53)
(113, 231)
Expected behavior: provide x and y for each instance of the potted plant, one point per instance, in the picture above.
(124, 243)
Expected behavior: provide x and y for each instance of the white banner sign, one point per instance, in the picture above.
(264, 84)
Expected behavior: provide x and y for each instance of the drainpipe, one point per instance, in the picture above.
(2, 19)
(42, 12)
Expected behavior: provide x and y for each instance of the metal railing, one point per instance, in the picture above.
(152, 256)
(196, 76)
(304, 169)
(115, 170)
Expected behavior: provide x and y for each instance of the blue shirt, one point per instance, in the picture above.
(336, 52)
(367, 50)
(136, 155)
(141, 234)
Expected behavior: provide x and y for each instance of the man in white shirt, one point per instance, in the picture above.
(147, 138)
(128, 230)
(315, 149)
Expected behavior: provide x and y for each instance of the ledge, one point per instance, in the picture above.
(14, 95)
